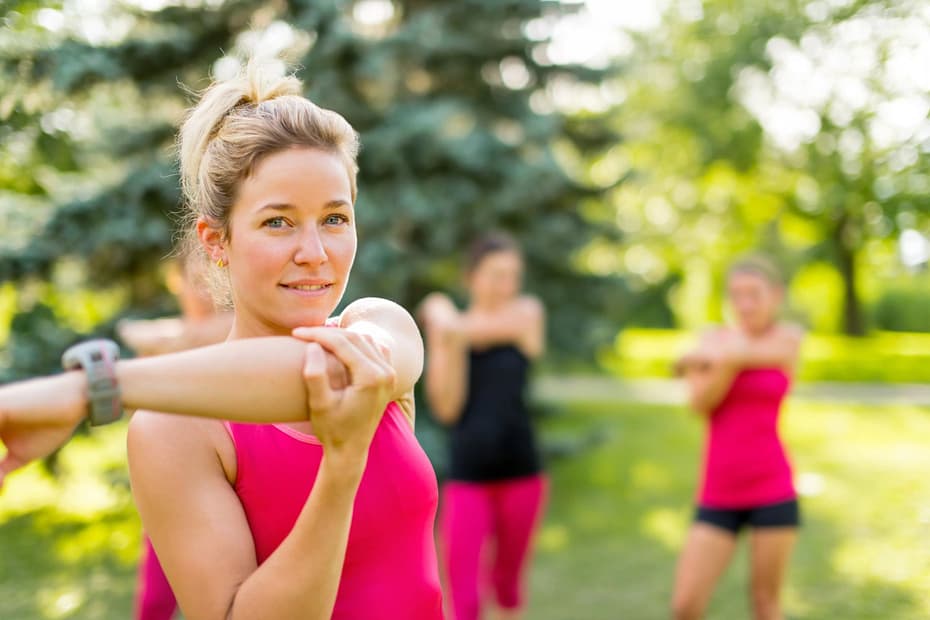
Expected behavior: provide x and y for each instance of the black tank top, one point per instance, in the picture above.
(494, 439)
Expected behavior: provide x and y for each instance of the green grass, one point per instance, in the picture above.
(620, 510)
(889, 357)
(607, 549)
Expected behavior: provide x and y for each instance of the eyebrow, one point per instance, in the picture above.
(285, 206)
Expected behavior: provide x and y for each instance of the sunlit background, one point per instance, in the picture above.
(634, 148)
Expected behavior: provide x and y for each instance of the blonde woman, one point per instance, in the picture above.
(330, 513)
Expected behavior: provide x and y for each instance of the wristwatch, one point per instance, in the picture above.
(98, 360)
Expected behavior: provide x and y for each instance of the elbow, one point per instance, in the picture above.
(445, 410)
(446, 415)
(701, 403)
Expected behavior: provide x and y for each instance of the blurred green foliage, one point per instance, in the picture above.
(629, 208)
(892, 357)
(440, 92)
(765, 126)
(903, 309)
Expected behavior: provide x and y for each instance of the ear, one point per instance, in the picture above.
(779, 294)
(213, 240)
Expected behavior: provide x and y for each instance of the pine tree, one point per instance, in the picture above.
(450, 99)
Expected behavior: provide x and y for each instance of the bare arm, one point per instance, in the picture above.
(447, 359)
(258, 379)
(168, 335)
(708, 372)
(250, 380)
(711, 368)
(522, 323)
(779, 348)
(707, 385)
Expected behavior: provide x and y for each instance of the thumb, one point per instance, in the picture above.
(316, 378)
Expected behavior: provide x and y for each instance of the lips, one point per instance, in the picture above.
(308, 287)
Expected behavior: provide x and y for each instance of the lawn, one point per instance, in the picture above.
(607, 548)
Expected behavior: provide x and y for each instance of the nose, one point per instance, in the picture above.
(311, 249)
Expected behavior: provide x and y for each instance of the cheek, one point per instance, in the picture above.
(341, 251)
(258, 257)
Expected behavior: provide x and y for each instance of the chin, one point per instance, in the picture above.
(309, 319)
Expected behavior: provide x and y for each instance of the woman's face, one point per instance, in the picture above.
(497, 278)
(291, 241)
(755, 300)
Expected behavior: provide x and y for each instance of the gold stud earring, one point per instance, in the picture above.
(220, 263)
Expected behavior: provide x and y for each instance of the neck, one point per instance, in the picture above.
(759, 331)
(244, 328)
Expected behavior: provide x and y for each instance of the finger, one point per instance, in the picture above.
(360, 358)
(319, 394)
(308, 333)
(338, 373)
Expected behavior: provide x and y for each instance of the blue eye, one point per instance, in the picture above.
(336, 219)
(274, 222)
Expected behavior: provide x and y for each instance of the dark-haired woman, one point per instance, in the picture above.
(477, 371)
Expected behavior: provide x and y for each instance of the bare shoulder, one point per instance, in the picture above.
(714, 333)
(167, 442)
(789, 332)
(148, 427)
(530, 306)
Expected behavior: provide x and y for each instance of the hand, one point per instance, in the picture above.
(442, 318)
(693, 360)
(345, 419)
(38, 416)
(336, 371)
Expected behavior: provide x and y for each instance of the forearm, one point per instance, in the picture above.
(205, 332)
(250, 380)
(521, 325)
(446, 379)
(503, 330)
(708, 388)
(765, 353)
(301, 578)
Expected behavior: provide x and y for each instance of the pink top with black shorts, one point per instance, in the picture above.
(745, 464)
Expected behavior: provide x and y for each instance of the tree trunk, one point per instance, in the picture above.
(853, 318)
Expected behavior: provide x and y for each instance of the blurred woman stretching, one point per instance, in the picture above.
(477, 368)
(738, 378)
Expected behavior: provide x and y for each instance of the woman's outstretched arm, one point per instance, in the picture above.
(521, 323)
(249, 380)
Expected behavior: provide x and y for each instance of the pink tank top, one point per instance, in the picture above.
(745, 463)
(390, 568)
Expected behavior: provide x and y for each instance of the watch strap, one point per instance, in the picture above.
(98, 360)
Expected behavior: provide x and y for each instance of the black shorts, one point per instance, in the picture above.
(782, 514)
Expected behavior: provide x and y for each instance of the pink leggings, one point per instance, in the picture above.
(154, 599)
(475, 513)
